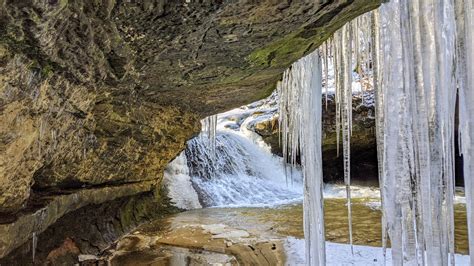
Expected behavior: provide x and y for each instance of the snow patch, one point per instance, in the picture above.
(340, 254)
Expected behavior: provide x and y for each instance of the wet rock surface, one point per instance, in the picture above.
(88, 231)
(20, 228)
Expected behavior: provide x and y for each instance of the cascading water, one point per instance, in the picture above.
(243, 173)
(180, 187)
(229, 165)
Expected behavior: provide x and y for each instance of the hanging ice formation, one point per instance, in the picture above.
(417, 44)
(300, 121)
(34, 242)
(465, 77)
(350, 52)
(343, 75)
(210, 127)
(419, 54)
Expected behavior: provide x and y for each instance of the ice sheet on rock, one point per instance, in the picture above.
(178, 182)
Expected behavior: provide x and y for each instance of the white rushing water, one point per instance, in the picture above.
(242, 174)
(229, 165)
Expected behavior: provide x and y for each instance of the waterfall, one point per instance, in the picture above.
(180, 187)
(242, 174)
(229, 165)
(416, 55)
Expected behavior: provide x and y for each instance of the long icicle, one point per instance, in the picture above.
(346, 110)
(326, 71)
(377, 75)
(300, 115)
(338, 84)
(465, 74)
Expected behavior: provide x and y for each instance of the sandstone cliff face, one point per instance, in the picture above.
(105, 92)
(58, 134)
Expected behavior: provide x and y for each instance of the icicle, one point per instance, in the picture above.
(34, 242)
(343, 69)
(346, 108)
(326, 71)
(210, 125)
(465, 74)
(377, 71)
(300, 115)
(339, 83)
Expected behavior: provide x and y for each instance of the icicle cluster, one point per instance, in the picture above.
(300, 123)
(418, 53)
(343, 54)
(416, 104)
(351, 53)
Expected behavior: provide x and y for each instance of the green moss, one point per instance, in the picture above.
(62, 4)
(150, 205)
(284, 52)
(22, 46)
(287, 50)
(47, 71)
(118, 117)
(267, 90)
(126, 215)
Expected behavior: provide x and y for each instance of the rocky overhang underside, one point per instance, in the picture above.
(104, 93)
